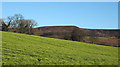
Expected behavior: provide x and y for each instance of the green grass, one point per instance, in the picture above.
(23, 49)
(98, 37)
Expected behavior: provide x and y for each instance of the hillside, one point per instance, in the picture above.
(101, 32)
(23, 49)
(60, 32)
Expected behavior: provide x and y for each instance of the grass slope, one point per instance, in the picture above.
(23, 49)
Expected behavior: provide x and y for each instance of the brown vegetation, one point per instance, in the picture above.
(64, 32)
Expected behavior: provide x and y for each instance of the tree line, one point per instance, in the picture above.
(18, 24)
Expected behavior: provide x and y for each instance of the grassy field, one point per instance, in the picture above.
(23, 49)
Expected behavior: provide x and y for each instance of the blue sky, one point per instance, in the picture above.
(92, 15)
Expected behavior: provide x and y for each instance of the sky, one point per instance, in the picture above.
(92, 15)
(60, 0)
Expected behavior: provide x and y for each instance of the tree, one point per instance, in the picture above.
(21, 25)
(77, 34)
(26, 26)
(29, 26)
(15, 20)
(21, 28)
(5, 26)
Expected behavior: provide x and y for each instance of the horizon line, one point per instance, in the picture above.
(79, 27)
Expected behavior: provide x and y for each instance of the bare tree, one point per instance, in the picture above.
(15, 20)
(21, 25)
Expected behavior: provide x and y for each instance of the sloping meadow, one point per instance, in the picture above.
(23, 49)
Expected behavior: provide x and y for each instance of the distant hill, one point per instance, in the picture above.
(109, 36)
(23, 49)
(101, 32)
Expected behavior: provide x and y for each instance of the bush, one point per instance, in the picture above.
(77, 34)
